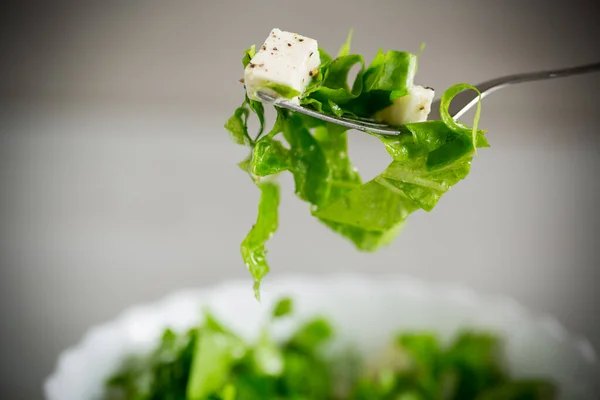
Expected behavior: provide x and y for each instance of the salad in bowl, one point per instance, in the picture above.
(332, 337)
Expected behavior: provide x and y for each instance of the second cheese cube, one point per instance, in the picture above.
(414, 107)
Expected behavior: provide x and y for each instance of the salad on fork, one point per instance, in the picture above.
(428, 157)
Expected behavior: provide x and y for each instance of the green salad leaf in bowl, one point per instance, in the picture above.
(211, 362)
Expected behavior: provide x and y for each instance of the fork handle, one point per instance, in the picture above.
(464, 101)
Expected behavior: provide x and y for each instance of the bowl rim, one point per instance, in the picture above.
(458, 291)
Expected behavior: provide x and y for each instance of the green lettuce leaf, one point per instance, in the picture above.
(342, 176)
(256, 106)
(372, 207)
(428, 159)
(333, 92)
(237, 126)
(283, 307)
(163, 373)
(388, 77)
(329, 90)
(259, 110)
(345, 49)
(253, 246)
(392, 72)
(477, 136)
(217, 349)
(248, 54)
(269, 157)
(308, 163)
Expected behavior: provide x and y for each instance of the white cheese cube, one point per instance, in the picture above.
(285, 59)
(414, 107)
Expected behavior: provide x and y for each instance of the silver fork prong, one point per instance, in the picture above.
(463, 102)
(365, 122)
(351, 124)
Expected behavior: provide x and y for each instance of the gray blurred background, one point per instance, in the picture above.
(118, 183)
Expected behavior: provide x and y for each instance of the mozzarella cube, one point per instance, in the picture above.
(285, 59)
(414, 107)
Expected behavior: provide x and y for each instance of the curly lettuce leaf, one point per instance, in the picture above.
(248, 54)
(345, 48)
(237, 126)
(389, 76)
(428, 159)
(363, 239)
(269, 157)
(392, 72)
(477, 136)
(342, 176)
(329, 90)
(309, 166)
(372, 207)
(252, 248)
(332, 93)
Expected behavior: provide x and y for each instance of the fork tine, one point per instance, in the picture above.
(364, 126)
(367, 124)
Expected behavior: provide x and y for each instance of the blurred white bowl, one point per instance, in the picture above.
(365, 311)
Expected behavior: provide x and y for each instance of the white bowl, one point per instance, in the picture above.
(365, 311)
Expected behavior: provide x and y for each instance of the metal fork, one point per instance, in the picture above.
(462, 103)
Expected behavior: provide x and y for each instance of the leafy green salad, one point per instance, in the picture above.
(211, 362)
(426, 159)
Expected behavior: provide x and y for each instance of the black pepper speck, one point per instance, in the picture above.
(289, 45)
